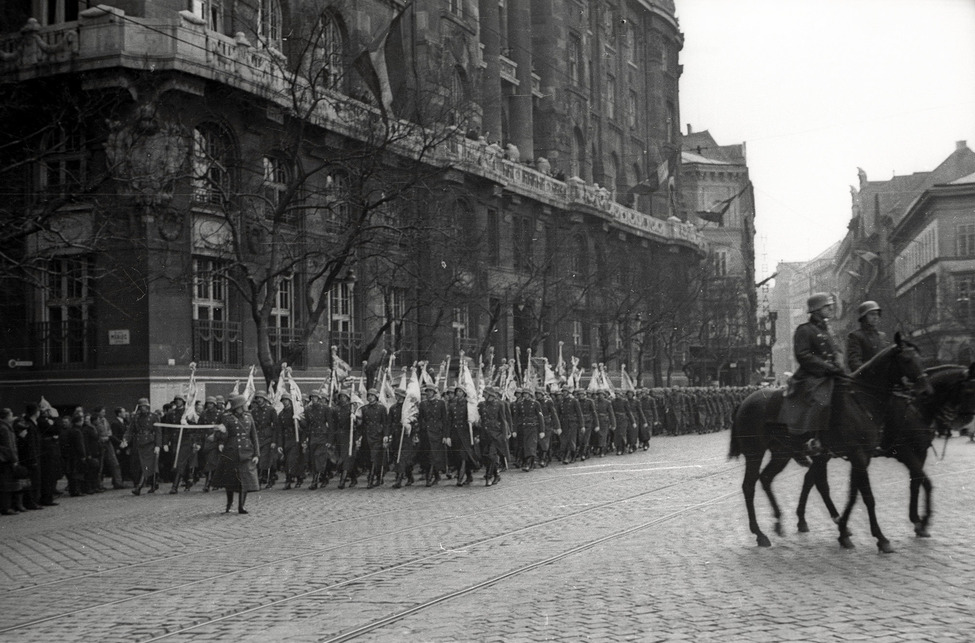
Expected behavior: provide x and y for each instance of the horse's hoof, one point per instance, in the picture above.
(763, 541)
(803, 527)
(884, 547)
(846, 543)
(921, 531)
(778, 529)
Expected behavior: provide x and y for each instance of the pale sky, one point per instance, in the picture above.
(817, 88)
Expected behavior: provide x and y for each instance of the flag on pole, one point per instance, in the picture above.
(295, 392)
(466, 381)
(250, 388)
(411, 405)
(551, 381)
(340, 368)
(189, 412)
(236, 390)
(387, 396)
(560, 370)
(626, 383)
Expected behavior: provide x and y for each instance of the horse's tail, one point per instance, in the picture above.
(734, 449)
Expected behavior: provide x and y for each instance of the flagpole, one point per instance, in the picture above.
(179, 442)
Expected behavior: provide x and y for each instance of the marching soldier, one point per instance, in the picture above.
(432, 425)
(403, 440)
(375, 430)
(317, 423)
(347, 440)
(551, 423)
(494, 434)
(462, 437)
(269, 435)
(588, 434)
(605, 421)
(146, 437)
(529, 425)
(207, 457)
(640, 433)
(239, 449)
(624, 424)
(293, 439)
(572, 426)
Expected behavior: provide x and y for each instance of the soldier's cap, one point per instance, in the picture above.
(372, 391)
(343, 393)
(819, 300)
(285, 396)
(316, 393)
(220, 398)
(260, 395)
(490, 390)
(237, 401)
(142, 402)
(460, 388)
(867, 307)
(579, 391)
(179, 397)
(210, 398)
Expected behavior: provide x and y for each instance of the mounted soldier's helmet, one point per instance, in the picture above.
(819, 300)
(867, 307)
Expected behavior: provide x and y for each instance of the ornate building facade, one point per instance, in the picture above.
(236, 183)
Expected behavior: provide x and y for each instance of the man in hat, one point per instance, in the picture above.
(375, 430)
(494, 434)
(402, 441)
(317, 417)
(462, 437)
(207, 457)
(590, 423)
(170, 436)
(605, 421)
(268, 433)
(866, 341)
(529, 425)
(347, 438)
(146, 438)
(432, 426)
(807, 403)
(293, 444)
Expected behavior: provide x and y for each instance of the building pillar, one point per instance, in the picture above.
(491, 77)
(520, 37)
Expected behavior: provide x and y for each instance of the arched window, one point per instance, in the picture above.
(457, 96)
(213, 161)
(338, 203)
(579, 265)
(269, 23)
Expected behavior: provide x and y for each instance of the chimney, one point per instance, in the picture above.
(960, 145)
(689, 130)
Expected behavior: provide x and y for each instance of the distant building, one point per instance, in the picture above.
(780, 303)
(934, 271)
(717, 197)
(865, 259)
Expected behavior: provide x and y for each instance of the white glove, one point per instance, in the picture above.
(155, 450)
(166, 448)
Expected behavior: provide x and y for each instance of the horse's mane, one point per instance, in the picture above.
(869, 366)
(946, 373)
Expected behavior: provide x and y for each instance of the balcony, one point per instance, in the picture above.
(470, 345)
(64, 345)
(217, 344)
(348, 344)
(283, 342)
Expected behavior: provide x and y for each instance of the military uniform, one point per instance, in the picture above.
(269, 435)
(432, 426)
(347, 439)
(862, 345)
(494, 437)
(590, 425)
(529, 423)
(375, 430)
(317, 417)
(146, 439)
(462, 440)
(293, 440)
(236, 469)
(403, 443)
(572, 426)
(605, 423)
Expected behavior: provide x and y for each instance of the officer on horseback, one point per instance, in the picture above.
(806, 407)
(865, 342)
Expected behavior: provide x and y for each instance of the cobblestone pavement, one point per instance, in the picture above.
(643, 547)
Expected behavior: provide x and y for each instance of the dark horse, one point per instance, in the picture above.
(908, 433)
(854, 433)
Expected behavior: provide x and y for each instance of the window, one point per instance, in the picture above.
(579, 259)
(269, 23)
(494, 237)
(210, 11)
(577, 163)
(456, 7)
(631, 103)
(965, 297)
(671, 121)
(457, 96)
(523, 238)
(394, 313)
(276, 179)
(611, 97)
(52, 12)
(216, 341)
(330, 54)
(212, 159)
(575, 59)
(664, 57)
(720, 263)
(631, 41)
(68, 301)
(339, 210)
(460, 325)
(965, 235)
(282, 332)
(62, 167)
(342, 322)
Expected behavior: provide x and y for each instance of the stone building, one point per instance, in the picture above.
(232, 183)
(717, 199)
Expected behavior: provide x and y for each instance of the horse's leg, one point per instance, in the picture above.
(775, 466)
(753, 467)
(844, 518)
(919, 480)
(860, 463)
(807, 485)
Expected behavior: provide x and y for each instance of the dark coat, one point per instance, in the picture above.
(235, 468)
(806, 405)
(862, 344)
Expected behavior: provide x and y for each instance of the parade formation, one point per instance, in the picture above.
(426, 430)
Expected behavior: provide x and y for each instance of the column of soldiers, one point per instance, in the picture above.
(335, 440)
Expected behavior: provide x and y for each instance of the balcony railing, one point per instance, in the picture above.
(283, 342)
(217, 344)
(470, 346)
(104, 35)
(349, 346)
(64, 345)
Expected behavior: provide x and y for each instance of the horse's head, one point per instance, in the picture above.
(907, 364)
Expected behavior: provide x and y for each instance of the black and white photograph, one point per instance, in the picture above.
(487, 320)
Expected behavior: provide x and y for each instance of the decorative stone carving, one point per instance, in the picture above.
(146, 155)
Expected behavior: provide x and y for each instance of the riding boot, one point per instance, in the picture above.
(241, 499)
(342, 481)
(206, 485)
(399, 481)
(543, 462)
(799, 452)
(190, 480)
(230, 500)
(409, 478)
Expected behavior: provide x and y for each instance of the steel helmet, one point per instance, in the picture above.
(866, 307)
(819, 300)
